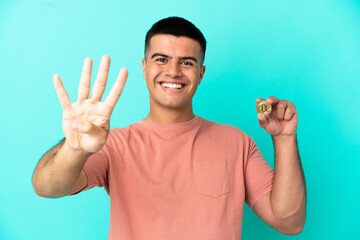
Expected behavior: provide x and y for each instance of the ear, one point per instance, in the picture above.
(144, 67)
(202, 72)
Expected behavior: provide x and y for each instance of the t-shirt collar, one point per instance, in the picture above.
(170, 126)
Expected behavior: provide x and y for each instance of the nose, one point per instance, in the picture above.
(173, 69)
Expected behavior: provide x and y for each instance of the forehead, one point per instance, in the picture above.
(170, 44)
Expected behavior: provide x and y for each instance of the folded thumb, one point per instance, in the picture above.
(85, 127)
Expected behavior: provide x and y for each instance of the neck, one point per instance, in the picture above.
(168, 115)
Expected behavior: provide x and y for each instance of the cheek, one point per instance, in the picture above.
(153, 72)
(194, 76)
(151, 77)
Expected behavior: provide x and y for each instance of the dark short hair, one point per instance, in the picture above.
(178, 27)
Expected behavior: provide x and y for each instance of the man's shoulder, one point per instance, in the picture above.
(223, 128)
(123, 130)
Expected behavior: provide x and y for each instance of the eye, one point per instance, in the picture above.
(162, 60)
(187, 63)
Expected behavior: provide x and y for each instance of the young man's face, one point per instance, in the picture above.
(173, 70)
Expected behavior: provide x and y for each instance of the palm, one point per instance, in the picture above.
(96, 113)
(86, 122)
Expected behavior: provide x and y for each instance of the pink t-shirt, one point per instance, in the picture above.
(179, 181)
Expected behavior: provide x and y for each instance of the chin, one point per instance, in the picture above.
(170, 103)
(174, 104)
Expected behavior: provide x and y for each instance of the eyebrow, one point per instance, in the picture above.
(166, 56)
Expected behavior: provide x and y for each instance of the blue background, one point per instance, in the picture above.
(305, 51)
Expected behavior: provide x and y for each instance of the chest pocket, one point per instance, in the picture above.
(211, 177)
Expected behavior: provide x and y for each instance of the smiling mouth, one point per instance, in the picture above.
(172, 85)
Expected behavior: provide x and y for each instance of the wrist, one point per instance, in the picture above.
(80, 153)
(284, 138)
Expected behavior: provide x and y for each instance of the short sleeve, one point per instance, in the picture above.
(258, 175)
(96, 169)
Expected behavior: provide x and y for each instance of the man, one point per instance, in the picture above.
(173, 175)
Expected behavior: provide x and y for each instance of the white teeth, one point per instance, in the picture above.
(172, 85)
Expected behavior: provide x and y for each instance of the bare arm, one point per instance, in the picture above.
(86, 124)
(59, 172)
(284, 208)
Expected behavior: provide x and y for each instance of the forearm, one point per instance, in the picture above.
(57, 171)
(288, 196)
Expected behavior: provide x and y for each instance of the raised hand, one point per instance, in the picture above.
(86, 122)
(283, 119)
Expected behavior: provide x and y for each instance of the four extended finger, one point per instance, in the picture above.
(117, 89)
(85, 79)
(61, 93)
(100, 82)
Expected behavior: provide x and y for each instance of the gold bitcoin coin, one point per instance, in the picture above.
(263, 108)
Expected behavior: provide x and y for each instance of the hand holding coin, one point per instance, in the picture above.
(263, 108)
(277, 117)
